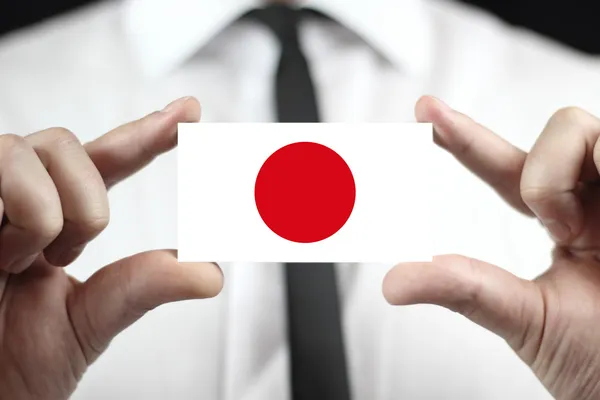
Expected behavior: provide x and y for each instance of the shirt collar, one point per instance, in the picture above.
(163, 34)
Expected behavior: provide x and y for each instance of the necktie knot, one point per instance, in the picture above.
(281, 19)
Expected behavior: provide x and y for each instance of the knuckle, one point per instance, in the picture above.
(131, 284)
(469, 304)
(535, 195)
(85, 328)
(62, 137)
(11, 142)
(571, 115)
(95, 223)
(465, 146)
(48, 226)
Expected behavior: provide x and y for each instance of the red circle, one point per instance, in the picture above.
(305, 192)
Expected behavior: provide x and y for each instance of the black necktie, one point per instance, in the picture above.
(318, 360)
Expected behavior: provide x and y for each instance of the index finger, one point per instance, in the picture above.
(125, 150)
(490, 157)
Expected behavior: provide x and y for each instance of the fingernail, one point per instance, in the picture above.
(66, 257)
(559, 231)
(71, 255)
(440, 135)
(442, 105)
(173, 105)
(219, 268)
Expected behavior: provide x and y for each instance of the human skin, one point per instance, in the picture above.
(54, 199)
(53, 192)
(552, 321)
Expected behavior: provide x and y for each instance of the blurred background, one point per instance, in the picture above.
(573, 22)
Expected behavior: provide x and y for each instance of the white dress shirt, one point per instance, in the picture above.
(104, 65)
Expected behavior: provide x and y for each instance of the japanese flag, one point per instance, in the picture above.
(304, 192)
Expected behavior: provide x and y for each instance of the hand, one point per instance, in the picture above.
(53, 197)
(551, 322)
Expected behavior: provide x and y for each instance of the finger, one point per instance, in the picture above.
(554, 168)
(130, 147)
(487, 295)
(121, 293)
(31, 205)
(486, 154)
(81, 190)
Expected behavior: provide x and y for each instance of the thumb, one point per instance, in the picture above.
(493, 298)
(121, 293)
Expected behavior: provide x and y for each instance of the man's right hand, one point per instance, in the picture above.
(53, 198)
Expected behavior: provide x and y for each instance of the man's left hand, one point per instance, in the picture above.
(551, 322)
